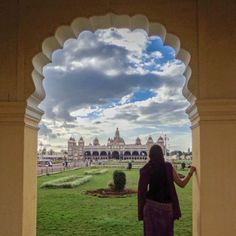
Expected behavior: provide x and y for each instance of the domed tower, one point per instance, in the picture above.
(138, 141)
(96, 142)
(117, 136)
(81, 148)
(149, 143)
(117, 139)
(161, 142)
(71, 147)
(81, 142)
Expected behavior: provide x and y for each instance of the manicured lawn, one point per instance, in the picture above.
(67, 212)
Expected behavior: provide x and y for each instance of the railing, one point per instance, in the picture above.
(57, 168)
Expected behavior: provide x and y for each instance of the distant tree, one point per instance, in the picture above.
(44, 151)
(183, 165)
(64, 152)
(51, 152)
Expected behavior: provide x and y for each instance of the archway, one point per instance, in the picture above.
(135, 153)
(103, 153)
(115, 155)
(127, 153)
(213, 114)
(143, 155)
(168, 38)
(95, 155)
(87, 154)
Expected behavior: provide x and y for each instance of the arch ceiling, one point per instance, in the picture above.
(92, 24)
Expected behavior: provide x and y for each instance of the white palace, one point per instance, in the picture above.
(115, 148)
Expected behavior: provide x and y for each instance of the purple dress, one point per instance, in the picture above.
(158, 217)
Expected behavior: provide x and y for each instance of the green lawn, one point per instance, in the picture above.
(67, 212)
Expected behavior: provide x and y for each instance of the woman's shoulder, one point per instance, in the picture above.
(168, 165)
(145, 168)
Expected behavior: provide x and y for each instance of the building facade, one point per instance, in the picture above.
(115, 148)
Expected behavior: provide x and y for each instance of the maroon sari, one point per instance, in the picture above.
(158, 217)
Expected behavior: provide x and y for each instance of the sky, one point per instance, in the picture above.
(114, 78)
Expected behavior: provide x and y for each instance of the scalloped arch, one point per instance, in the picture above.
(94, 23)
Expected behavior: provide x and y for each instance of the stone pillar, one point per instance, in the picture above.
(18, 145)
(214, 148)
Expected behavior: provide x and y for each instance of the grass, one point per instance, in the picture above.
(67, 212)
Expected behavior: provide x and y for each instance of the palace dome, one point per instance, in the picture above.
(150, 141)
(96, 141)
(138, 141)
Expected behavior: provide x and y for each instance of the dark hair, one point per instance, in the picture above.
(159, 179)
(156, 155)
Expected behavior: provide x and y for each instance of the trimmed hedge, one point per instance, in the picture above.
(72, 181)
(119, 180)
(95, 172)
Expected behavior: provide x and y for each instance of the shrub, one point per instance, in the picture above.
(95, 172)
(119, 180)
(66, 182)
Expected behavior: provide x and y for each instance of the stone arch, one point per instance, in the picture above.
(127, 153)
(115, 155)
(143, 153)
(103, 153)
(87, 153)
(95, 153)
(135, 153)
(92, 24)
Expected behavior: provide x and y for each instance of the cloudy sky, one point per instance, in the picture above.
(114, 78)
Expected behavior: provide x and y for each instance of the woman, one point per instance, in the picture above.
(158, 204)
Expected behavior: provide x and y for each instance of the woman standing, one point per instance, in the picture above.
(158, 204)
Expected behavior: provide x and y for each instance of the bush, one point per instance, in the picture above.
(66, 182)
(95, 172)
(119, 180)
(183, 165)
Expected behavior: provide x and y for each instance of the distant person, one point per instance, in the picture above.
(129, 165)
(86, 163)
(158, 204)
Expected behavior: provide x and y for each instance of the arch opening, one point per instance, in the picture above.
(64, 33)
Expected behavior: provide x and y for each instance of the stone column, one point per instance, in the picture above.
(214, 148)
(18, 145)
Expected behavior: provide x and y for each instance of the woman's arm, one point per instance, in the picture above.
(183, 182)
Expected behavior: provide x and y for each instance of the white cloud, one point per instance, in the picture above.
(91, 83)
(156, 54)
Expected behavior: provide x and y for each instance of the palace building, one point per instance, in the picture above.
(115, 148)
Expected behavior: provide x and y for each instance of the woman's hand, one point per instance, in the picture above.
(192, 169)
(183, 182)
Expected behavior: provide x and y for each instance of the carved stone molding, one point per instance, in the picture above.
(20, 113)
(212, 110)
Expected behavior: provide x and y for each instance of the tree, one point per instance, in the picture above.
(44, 151)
